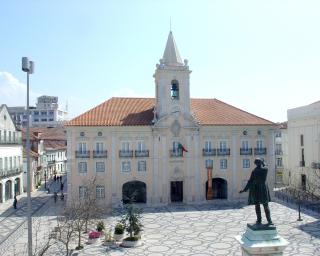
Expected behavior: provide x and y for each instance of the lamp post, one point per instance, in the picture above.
(28, 66)
(209, 166)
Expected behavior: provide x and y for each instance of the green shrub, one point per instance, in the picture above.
(119, 229)
(134, 238)
(100, 226)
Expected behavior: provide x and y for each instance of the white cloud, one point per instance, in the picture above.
(13, 92)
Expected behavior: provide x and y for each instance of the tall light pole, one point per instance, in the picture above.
(28, 66)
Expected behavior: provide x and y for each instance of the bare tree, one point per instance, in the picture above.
(64, 232)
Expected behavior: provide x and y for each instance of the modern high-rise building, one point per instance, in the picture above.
(171, 148)
(46, 113)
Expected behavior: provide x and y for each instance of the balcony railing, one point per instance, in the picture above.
(176, 153)
(10, 173)
(125, 153)
(302, 163)
(278, 152)
(10, 142)
(209, 152)
(51, 162)
(260, 151)
(83, 154)
(100, 154)
(245, 151)
(315, 165)
(223, 151)
(141, 153)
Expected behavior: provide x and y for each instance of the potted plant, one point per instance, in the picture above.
(100, 226)
(93, 236)
(118, 232)
(131, 221)
(108, 239)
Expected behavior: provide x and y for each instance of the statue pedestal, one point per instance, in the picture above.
(262, 240)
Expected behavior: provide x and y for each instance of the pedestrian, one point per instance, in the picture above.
(54, 178)
(48, 190)
(55, 195)
(62, 196)
(15, 201)
(61, 187)
(259, 191)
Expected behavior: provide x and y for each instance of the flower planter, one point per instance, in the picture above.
(93, 240)
(126, 243)
(118, 237)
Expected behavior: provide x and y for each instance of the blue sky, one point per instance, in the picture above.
(260, 56)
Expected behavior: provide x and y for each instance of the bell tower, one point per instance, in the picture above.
(172, 82)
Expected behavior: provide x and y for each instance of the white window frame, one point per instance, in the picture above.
(223, 145)
(279, 162)
(82, 146)
(223, 164)
(246, 163)
(99, 168)
(82, 168)
(141, 146)
(100, 192)
(99, 146)
(126, 166)
(259, 144)
(83, 192)
(207, 146)
(245, 144)
(125, 146)
(142, 166)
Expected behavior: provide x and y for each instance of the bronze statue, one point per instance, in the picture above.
(258, 190)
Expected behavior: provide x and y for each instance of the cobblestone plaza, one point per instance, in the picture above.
(210, 229)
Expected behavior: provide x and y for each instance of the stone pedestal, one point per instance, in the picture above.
(262, 240)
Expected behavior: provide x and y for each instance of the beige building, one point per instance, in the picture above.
(157, 150)
(304, 146)
(281, 155)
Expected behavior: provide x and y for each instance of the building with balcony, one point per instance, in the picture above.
(158, 147)
(11, 172)
(46, 113)
(304, 147)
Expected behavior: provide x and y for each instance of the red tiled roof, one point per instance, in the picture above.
(139, 111)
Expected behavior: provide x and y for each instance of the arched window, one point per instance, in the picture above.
(175, 89)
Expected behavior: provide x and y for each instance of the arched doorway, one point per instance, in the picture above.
(219, 187)
(17, 186)
(1, 193)
(135, 192)
(8, 190)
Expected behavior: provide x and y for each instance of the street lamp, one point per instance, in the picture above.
(28, 66)
(209, 166)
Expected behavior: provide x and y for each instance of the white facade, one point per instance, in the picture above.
(11, 177)
(56, 160)
(304, 145)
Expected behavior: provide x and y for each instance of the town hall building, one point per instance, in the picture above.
(171, 148)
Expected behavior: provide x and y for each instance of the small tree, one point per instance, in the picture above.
(65, 232)
(131, 220)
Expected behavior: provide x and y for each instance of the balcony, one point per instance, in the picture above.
(245, 151)
(51, 162)
(125, 153)
(260, 151)
(100, 154)
(209, 152)
(10, 173)
(315, 165)
(10, 142)
(176, 153)
(278, 152)
(83, 154)
(223, 151)
(141, 153)
(302, 163)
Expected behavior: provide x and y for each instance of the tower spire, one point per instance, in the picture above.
(171, 55)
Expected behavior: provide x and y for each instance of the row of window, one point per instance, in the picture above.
(100, 167)
(58, 155)
(9, 136)
(43, 113)
(9, 163)
(43, 120)
(125, 146)
(100, 192)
